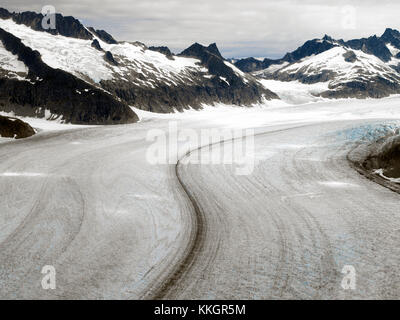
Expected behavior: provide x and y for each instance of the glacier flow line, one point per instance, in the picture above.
(199, 230)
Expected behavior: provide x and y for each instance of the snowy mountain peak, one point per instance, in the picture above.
(310, 48)
(328, 38)
(374, 45)
(345, 71)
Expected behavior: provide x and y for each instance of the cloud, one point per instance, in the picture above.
(240, 27)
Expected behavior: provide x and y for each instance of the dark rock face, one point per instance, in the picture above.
(251, 65)
(377, 88)
(57, 91)
(372, 45)
(300, 75)
(212, 59)
(103, 35)
(350, 56)
(163, 50)
(15, 128)
(65, 26)
(379, 161)
(110, 58)
(391, 36)
(96, 44)
(212, 48)
(5, 14)
(309, 48)
(385, 154)
(181, 97)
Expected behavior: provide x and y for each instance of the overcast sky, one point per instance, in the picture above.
(241, 28)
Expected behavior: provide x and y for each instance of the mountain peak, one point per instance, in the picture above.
(199, 51)
(390, 34)
(327, 38)
(214, 49)
(392, 31)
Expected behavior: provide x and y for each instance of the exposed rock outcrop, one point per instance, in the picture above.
(372, 45)
(163, 50)
(385, 156)
(350, 56)
(15, 128)
(110, 58)
(103, 35)
(96, 44)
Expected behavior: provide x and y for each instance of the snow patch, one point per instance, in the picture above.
(10, 62)
(72, 55)
(380, 173)
(238, 72)
(274, 67)
(225, 80)
(393, 50)
(295, 92)
(41, 124)
(21, 174)
(338, 184)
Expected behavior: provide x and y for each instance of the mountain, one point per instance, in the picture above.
(228, 82)
(359, 68)
(252, 64)
(83, 75)
(309, 48)
(29, 87)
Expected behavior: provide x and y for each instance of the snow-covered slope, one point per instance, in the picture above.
(366, 67)
(10, 66)
(81, 59)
